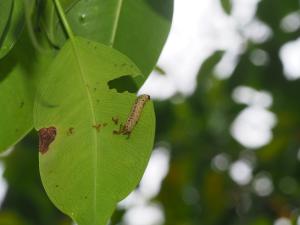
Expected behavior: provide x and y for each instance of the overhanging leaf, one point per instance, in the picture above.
(13, 28)
(137, 28)
(88, 169)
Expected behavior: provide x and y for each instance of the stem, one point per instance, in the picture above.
(28, 18)
(64, 19)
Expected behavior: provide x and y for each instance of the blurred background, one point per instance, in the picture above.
(227, 150)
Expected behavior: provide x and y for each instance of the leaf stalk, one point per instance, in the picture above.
(64, 20)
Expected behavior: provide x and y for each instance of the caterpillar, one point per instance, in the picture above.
(134, 115)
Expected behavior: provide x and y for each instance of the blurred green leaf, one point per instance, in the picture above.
(137, 28)
(11, 218)
(13, 28)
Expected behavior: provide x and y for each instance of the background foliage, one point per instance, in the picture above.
(198, 129)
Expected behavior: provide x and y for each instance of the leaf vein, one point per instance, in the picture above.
(116, 22)
(85, 81)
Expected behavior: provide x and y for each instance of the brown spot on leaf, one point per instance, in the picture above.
(97, 127)
(115, 120)
(70, 131)
(46, 137)
(104, 124)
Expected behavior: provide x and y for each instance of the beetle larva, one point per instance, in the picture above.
(134, 115)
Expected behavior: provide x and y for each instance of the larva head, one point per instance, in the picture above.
(144, 97)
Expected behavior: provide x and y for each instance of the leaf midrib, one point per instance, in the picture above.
(93, 118)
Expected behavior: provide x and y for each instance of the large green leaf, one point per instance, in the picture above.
(137, 28)
(13, 28)
(87, 168)
(5, 12)
(17, 74)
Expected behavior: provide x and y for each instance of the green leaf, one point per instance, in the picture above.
(137, 28)
(88, 169)
(227, 5)
(17, 76)
(13, 28)
(15, 104)
(5, 12)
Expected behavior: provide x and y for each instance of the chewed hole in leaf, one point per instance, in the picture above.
(123, 83)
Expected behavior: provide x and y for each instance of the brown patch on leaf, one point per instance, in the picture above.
(97, 126)
(115, 120)
(70, 131)
(104, 124)
(46, 137)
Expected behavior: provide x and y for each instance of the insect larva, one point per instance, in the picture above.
(134, 115)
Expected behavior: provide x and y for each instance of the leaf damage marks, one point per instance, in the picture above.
(46, 137)
(98, 126)
(70, 131)
(115, 120)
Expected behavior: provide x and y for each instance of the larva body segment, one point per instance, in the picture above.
(134, 115)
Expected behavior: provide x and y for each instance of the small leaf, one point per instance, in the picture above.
(13, 28)
(87, 168)
(227, 5)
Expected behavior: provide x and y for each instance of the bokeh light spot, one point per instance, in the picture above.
(282, 221)
(241, 172)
